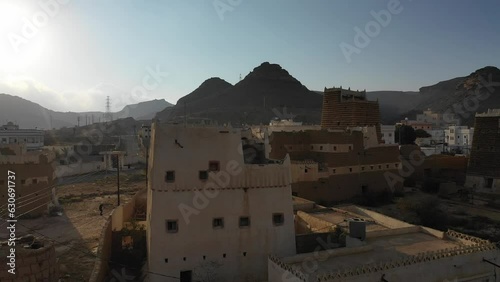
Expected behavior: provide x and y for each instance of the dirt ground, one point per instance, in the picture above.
(476, 219)
(77, 231)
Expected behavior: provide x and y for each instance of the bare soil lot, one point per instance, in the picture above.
(76, 232)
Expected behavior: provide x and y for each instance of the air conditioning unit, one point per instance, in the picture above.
(357, 228)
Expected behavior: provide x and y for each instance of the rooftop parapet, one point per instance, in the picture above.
(489, 113)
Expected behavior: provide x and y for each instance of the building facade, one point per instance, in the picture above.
(11, 134)
(459, 136)
(330, 166)
(33, 179)
(344, 108)
(438, 120)
(483, 172)
(211, 213)
(388, 132)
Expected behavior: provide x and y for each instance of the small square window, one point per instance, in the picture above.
(244, 221)
(334, 170)
(362, 168)
(397, 165)
(218, 223)
(371, 167)
(172, 226)
(35, 181)
(321, 147)
(350, 148)
(170, 176)
(213, 166)
(335, 148)
(350, 169)
(278, 219)
(203, 175)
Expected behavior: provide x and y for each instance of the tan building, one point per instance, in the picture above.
(34, 178)
(330, 166)
(380, 248)
(211, 213)
(437, 119)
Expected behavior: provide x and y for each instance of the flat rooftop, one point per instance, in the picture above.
(381, 249)
(340, 218)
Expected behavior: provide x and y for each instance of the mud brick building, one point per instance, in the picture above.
(34, 177)
(344, 108)
(483, 172)
(330, 166)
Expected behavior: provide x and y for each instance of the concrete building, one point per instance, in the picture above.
(484, 166)
(330, 166)
(11, 134)
(438, 120)
(418, 124)
(459, 137)
(210, 212)
(380, 248)
(33, 179)
(344, 108)
(388, 134)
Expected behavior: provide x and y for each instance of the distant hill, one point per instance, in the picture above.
(458, 95)
(268, 88)
(144, 110)
(31, 115)
(259, 97)
(393, 104)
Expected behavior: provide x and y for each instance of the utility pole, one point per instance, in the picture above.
(118, 176)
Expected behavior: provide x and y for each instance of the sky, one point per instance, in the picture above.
(68, 55)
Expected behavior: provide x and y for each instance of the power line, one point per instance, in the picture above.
(80, 178)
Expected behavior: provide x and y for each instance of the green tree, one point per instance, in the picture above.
(420, 133)
(408, 135)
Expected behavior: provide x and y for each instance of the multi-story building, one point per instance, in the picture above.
(483, 172)
(344, 108)
(33, 178)
(329, 166)
(388, 132)
(459, 136)
(11, 134)
(438, 119)
(417, 124)
(214, 212)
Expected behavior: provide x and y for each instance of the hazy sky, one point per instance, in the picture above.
(73, 53)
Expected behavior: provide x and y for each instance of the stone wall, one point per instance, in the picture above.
(31, 264)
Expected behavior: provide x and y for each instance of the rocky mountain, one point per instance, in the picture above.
(268, 89)
(262, 95)
(394, 104)
(31, 115)
(463, 96)
(143, 111)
